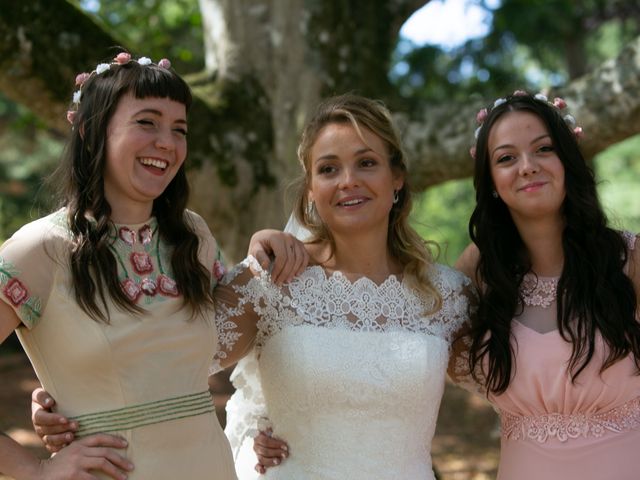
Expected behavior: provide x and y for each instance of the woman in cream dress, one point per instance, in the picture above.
(111, 296)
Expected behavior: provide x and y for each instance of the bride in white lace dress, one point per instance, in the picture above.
(349, 359)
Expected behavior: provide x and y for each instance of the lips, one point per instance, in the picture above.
(352, 201)
(532, 187)
(154, 162)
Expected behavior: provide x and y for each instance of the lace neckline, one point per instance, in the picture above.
(341, 277)
(538, 291)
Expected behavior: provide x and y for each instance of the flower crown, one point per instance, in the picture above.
(557, 102)
(120, 59)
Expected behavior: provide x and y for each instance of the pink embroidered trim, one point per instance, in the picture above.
(564, 427)
(538, 292)
(16, 292)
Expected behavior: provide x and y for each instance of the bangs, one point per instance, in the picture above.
(153, 81)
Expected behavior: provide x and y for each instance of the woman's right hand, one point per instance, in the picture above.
(86, 456)
(55, 430)
(269, 450)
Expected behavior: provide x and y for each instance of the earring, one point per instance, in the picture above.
(396, 196)
(494, 194)
(310, 208)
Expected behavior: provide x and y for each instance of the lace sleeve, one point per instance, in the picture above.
(246, 414)
(236, 319)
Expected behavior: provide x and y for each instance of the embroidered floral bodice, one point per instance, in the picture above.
(350, 373)
(144, 376)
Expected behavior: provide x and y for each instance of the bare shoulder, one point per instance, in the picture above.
(468, 261)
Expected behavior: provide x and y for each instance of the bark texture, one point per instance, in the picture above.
(268, 62)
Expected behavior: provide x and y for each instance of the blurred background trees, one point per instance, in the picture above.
(533, 44)
(257, 67)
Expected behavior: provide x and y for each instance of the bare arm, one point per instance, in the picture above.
(468, 262)
(90, 454)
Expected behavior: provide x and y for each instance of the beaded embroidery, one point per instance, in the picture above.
(538, 292)
(564, 427)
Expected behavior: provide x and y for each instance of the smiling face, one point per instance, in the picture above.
(526, 171)
(146, 145)
(352, 183)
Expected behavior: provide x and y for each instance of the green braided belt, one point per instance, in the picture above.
(143, 414)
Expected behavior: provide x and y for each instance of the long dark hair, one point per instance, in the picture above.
(81, 189)
(593, 294)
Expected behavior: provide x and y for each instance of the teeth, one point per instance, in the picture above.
(152, 162)
(351, 202)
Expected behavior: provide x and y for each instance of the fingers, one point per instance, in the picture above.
(53, 428)
(283, 252)
(90, 454)
(291, 258)
(270, 451)
(53, 443)
(41, 397)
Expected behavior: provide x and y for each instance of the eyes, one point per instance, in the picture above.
(329, 167)
(541, 150)
(147, 123)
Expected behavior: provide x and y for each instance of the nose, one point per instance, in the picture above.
(528, 165)
(165, 140)
(349, 178)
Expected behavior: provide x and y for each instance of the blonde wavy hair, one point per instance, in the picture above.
(403, 242)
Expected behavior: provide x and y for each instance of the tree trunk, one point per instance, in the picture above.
(267, 64)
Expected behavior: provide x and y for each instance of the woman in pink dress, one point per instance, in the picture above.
(556, 341)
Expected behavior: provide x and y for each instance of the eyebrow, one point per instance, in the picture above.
(332, 156)
(508, 145)
(153, 111)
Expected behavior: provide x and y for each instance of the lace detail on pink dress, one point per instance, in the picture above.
(564, 427)
(538, 292)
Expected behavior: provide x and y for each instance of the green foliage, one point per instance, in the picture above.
(154, 28)
(618, 172)
(441, 214)
(28, 153)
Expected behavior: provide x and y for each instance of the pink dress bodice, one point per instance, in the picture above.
(556, 428)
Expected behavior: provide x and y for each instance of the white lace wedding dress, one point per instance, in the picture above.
(349, 373)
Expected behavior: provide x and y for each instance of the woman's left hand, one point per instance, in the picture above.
(286, 252)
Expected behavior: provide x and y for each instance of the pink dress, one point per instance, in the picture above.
(555, 429)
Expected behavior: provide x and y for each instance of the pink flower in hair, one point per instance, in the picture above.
(520, 93)
(82, 77)
(559, 103)
(482, 114)
(122, 58)
(71, 116)
(164, 63)
(579, 133)
(472, 152)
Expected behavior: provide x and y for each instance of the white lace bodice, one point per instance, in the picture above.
(351, 373)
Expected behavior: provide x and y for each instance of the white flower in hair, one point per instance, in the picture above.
(102, 67)
(477, 132)
(541, 97)
(499, 102)
(569, 120)
(144, 61)
(77, 95)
